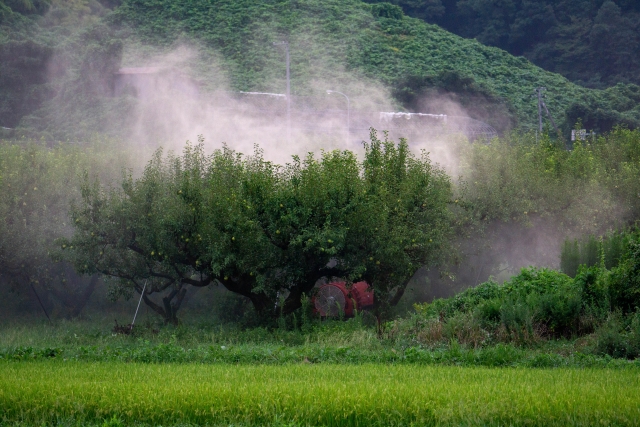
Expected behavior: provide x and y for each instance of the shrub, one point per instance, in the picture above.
(624, 281)
(558, 312)
(488, 312)
(610, 339)
(517, 319)
(464, 329)
(634, 335)
(535, 303)
(592, 285)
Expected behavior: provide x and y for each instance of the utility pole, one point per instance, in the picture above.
(550, 118)
(329, 92)
(539, 93)
(541, 104)
(286, 48)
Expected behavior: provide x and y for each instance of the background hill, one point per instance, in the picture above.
(595, 43)
(58, 61)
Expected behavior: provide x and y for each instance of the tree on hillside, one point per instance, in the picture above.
(615, 40)
(262, 230)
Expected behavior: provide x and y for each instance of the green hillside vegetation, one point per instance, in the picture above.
(386, 46)
(336, 42)
(592, 43)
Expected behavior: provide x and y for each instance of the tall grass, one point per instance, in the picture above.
(328, 395)
(591, 251)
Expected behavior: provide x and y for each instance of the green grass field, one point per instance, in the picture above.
(78, 393)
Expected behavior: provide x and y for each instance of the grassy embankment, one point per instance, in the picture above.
(78, 393)
(350, 343)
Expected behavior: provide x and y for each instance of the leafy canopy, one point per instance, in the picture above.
(264, 230)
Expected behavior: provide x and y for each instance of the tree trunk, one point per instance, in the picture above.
(40, 302)
(75, 296)
(266, 306)
(83, 299)
(169, 308)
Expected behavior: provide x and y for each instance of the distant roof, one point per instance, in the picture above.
(264, 93)
(139, 70)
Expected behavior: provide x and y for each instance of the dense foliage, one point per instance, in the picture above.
(592, 43)
(38, 184)
(521, 197)
(524, 179)
(592, 251)
(540, 303)
(512, 192)
(513, 187)
(263, 231)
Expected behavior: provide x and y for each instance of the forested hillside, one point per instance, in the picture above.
(58, 61)
(592, 43)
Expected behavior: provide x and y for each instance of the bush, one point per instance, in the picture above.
(488, 312)
(614, 339)
(541, 303)
(517, 319)
(559, 312)
(535, 303)
(624, 281)
(464, 329)
(592, 285)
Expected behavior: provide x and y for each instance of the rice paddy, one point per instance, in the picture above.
(81, 393)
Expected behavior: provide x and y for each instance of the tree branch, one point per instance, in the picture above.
(155, 307)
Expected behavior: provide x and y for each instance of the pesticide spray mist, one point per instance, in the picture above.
(174, 103)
